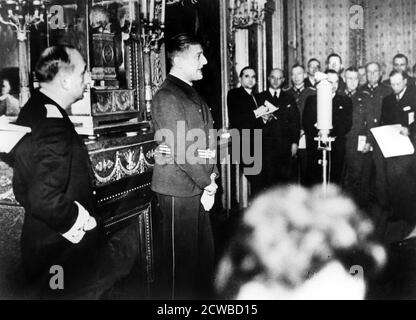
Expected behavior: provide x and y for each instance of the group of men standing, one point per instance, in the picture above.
(290, 150)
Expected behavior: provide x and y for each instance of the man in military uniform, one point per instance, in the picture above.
(281, 132)
(360, 170)
(53, 182)
(353, 177)
(300, 92)
(341, 122)
(183, 180)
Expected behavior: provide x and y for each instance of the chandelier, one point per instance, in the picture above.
(245, 13)
(182, 2)
(21, 15)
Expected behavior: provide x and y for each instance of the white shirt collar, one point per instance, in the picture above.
(272, 91)
(249, 91)
(402, 93)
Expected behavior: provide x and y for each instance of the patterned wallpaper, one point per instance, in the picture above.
(324, 27)
(389, 30)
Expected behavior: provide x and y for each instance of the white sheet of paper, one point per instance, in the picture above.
(10, 134)
(391, 142)
(302, 142)
(411, 118)
(260, 111)
(8, 139)
(5, 125)
(207, 201)
(362, 140)
(266, 109)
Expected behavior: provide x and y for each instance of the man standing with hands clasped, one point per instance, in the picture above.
(184, 178)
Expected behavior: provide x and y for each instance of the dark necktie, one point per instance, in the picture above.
(254, 99)
(275, 98)
(349, 94)
(398, 98)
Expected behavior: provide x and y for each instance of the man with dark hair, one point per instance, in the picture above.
(241, 104)
(300, 92)
(53, 182)
(313, 67)
(341, 123)
(180, 115)
(334, 62)
(281, 132)
(401, 64)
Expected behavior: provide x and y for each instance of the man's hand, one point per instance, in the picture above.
(294, 149)
(267, 117)
(163, 155)
(211, 189)
(366, 148)
(404, 131)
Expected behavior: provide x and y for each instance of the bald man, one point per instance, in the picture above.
(281, 132)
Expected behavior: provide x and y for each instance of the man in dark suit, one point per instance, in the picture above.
(301, 92)
(400, 108)
(341, 122)
(334, 62)
(53, 182)
(313, 67)
(185, 179)
(397, 280)
(281, 132)
(401, 64)
(241, 104)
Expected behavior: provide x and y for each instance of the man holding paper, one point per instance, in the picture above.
(400, 171)
(281, 132)
(245, 114)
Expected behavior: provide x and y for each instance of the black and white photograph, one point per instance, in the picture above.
(210, 151)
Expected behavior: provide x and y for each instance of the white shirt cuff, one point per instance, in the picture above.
(83, 223)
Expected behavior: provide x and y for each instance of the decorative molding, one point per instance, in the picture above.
(6, 189)
(113, 165)
(157, 71)
(246, 13)
(182, 2)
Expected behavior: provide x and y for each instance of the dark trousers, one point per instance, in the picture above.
(87, 274)
(357, 179)
(187, 248)
(300, 166)
(277, 162)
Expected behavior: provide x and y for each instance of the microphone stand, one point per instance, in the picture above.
(324, 144)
